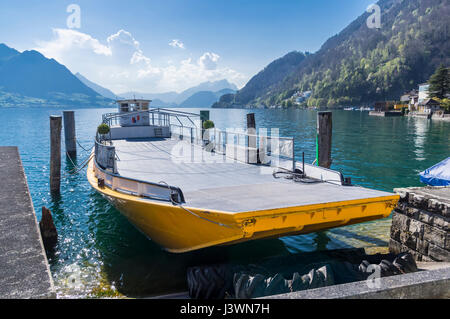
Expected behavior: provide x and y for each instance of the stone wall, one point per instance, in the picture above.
(421, 223)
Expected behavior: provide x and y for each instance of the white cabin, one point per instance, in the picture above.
(138, 109)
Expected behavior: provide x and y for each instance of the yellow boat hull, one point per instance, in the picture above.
(181, 230)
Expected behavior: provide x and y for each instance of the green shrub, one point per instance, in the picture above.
(103, 129)
(208, 124)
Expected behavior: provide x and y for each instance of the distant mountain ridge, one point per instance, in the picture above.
(264, 80)
(97, 88)
(29, 77)
(360, 65)
(202, 95)
(204, 98)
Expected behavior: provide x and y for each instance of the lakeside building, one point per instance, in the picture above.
(423, 92)
(428, 106)
(301, 96)
(406, 97)
(420, 103)
(418, 100)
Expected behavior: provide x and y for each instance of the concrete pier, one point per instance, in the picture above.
(24, 270)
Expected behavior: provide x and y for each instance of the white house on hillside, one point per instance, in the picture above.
(423, 92)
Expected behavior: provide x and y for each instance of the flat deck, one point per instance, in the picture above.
(24, 271)
(215, 183)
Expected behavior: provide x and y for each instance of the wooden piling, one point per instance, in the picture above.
(69, 133)
(251, 138)
(55, 153)
(48, 229)
(324, 139)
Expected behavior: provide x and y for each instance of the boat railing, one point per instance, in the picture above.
(105, 168)
(157, 117)
(105, 155)
(241, 146)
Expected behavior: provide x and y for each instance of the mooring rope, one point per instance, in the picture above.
(77, 168)
(82, 146)
(301, 178)
(190, 212)
(296, 177)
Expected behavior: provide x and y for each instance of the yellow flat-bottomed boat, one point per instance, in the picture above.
(185, 194)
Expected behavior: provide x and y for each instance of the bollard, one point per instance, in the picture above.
(323, 139)
(55, 153)
(69, 133)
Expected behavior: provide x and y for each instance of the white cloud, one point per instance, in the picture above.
(66, 40)
(177, 44)
(121, 64)
(209, 60)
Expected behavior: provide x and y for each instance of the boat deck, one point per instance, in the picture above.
(215, 183)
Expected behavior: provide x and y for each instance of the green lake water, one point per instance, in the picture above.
(101, 254)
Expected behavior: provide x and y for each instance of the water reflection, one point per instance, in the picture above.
(421, 127)
(138, 267)
(380, 153)
(321, 240)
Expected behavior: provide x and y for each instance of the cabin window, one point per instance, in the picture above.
(124, 107)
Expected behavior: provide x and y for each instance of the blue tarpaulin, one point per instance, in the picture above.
(438, 175)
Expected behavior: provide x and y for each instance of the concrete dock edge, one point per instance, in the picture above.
(418, 285)
(24, 269)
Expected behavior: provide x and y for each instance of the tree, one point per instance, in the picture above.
(439, 83)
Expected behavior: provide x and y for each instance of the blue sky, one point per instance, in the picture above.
(216, 38)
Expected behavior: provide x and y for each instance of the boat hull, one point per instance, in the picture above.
(182, 228)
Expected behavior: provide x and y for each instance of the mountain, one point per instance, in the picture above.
(29, 77)
(167, 98)
(204, 99)
(97, 88)
(361, 65)
(161, 103)
(264, 80)
(173, 99)
(205, 86)
(6, 53)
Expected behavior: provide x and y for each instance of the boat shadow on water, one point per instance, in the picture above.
(138, 267)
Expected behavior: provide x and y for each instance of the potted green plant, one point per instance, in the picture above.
(207, 125)
(103, 129)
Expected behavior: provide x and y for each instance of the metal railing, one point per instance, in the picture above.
(156, 117)
(240, 146)
(126, 185)
(105, 155)
(105, 168)
(249, 148)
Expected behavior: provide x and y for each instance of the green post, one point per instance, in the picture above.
(204, 116)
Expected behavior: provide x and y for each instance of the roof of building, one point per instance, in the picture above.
(429, 102)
